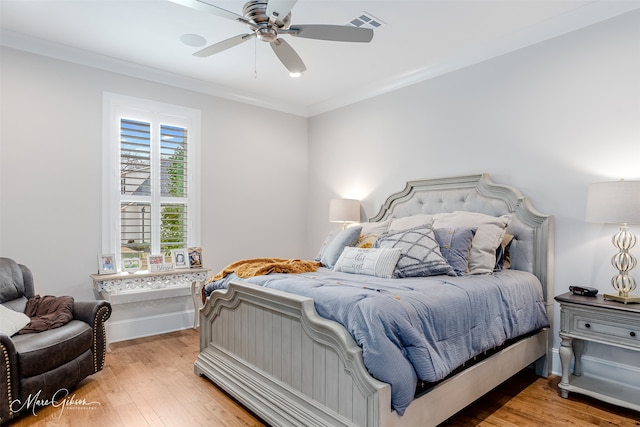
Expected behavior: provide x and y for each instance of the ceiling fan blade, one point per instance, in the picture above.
(338, 33)
(288, 56)
(224, 45)
(203, 6)
(280, 7)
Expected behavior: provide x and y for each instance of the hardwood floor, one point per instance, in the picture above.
(150, 382)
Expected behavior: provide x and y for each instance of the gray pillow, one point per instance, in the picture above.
(420, 252)
(333, 250)
(455, 245)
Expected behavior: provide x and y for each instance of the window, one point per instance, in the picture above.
(151, 177)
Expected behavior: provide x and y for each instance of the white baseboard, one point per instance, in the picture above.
(127, 329)
(601, 368)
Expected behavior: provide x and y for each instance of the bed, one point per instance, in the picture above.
(271, 349)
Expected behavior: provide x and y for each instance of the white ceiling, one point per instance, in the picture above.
(420, 39)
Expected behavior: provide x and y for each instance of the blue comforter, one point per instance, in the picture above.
(418, 328)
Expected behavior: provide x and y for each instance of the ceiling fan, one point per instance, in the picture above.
(270, 19)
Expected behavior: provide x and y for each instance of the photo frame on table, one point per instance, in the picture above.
(156, 264)
(131, 262)
(107, 264)
(180, 258)
(195, 257)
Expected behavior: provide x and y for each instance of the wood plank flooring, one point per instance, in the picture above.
(150, 382)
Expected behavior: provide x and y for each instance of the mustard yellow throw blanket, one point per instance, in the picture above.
(261, 266)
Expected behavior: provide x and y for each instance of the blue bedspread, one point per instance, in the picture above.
(418, 328)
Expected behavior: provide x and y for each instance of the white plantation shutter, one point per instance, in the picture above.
(157, 185)
(174, 188)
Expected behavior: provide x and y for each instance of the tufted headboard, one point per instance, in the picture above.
(532, 246)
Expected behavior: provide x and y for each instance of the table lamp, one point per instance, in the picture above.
(618, 202)
(344, 211)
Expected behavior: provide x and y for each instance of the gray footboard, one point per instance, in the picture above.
(273, 353)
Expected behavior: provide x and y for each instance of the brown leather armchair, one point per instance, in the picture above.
(48, 364)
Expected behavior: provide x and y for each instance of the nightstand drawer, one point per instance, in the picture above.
(604, 327)
(595, 328)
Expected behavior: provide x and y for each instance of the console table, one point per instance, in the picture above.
(123, 288)
(607, 322)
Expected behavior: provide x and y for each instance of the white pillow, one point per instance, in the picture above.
(379, 262)
(489, 234)
(12, 321)
(407, 222)
(375, 227)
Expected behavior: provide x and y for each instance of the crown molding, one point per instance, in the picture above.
(86, 58)
(584, 16)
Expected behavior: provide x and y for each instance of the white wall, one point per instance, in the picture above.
(548, 119)
(253, 173)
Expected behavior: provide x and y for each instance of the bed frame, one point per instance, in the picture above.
(272, 352)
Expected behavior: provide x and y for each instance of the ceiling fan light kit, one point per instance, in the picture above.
(270, 19)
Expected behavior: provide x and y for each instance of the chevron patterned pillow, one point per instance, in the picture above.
(420, 252)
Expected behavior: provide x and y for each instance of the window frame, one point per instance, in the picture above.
(116, 107)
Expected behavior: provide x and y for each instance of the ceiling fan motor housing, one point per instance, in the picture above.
(267, 27)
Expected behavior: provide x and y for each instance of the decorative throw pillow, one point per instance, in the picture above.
(455, 245)
(12, 321)
(503, 257)
(366, 240)
(420, 252)
(379, 262)
(333, 250)
(412, 221)
(489, 233)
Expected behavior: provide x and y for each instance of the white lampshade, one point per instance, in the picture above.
(614, 202)
(344, 210)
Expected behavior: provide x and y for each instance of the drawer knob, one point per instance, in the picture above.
(633, 334)
(587, 325)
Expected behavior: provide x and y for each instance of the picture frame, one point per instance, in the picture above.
(195, 257)
(107, 264)
(156, 263)
(131, 261)
(180, 258)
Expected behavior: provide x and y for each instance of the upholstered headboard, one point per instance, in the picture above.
(532, 246)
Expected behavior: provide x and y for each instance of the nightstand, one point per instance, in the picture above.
(606, 322)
